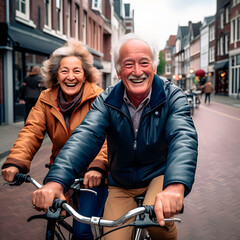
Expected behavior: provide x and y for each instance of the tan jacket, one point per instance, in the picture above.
(208, 87)
(45, 116)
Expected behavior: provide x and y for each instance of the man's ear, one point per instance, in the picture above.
(155, 71)
(119, 75)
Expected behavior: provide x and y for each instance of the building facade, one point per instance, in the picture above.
(234, 49)
(215, 49)
(168, 52)
(32, 30)
(222, 32)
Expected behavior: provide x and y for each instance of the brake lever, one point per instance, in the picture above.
(145, 222)
(48, 215)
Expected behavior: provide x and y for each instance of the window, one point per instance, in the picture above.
(226, 44)
(76, 21)
(167, 56)
(94, 36)
(227, 15)
(235, 73)
(221, 46)
(235, 30)
(99, 38)
(47, 16)
(212, 54)
(127, 10)
(84, 27)
(59, 16)
(69, 18)
(212, 33)
(23, 12)
(22, 9)
(168, 69)
(221, 20)
(97, 5)
(238, 59)
(235, 2)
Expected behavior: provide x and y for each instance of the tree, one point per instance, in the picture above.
(161, 65)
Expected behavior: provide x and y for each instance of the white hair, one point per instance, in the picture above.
(131, 36)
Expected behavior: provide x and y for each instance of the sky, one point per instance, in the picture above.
(158, 19)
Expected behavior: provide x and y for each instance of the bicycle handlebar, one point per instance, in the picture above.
(60, 204)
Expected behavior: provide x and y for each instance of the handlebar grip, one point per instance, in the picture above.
(151, 212)
(57, 203)
(19, 179)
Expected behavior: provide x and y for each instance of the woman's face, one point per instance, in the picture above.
(71, 76)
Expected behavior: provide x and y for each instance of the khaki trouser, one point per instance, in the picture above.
(121, 200)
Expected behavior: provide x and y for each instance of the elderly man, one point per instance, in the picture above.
(152, 142)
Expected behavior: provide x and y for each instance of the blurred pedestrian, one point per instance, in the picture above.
(207, 89)
(71, 80)
(31, 89)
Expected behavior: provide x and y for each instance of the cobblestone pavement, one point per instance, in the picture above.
(212, 208)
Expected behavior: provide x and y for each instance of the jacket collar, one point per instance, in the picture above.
(158, 96)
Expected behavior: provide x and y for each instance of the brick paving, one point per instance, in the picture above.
(15, 204)
(211, 210)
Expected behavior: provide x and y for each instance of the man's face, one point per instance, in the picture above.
(136, 68)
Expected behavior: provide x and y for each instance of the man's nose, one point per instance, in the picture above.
(137, 69)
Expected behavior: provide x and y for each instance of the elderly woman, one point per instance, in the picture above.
(70, 78)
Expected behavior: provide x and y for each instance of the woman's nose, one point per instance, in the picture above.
(71, 75)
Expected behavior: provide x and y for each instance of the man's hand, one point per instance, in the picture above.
(92, 179)
(169, 202)
(43, 197)
(9, 173)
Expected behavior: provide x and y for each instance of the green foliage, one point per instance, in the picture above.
(161, 65)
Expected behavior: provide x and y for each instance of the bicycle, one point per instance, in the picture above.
(190, 98)
(146, 217)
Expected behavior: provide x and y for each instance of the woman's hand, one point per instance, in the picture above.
(9, 173)
(43, 197)
(92, 179)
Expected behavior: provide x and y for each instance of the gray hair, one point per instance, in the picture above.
(71, 48)
(130, 36)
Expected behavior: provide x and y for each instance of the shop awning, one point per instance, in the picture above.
(33, 40)
(220, 65)
(97, 64)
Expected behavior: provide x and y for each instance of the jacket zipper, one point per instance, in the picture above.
(135, 140)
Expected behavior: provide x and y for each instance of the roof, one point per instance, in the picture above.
(196, 29)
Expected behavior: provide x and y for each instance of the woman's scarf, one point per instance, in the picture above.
(68, 107)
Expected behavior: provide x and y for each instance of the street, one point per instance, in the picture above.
(212, 208)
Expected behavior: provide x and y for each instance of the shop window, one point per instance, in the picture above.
(238, 59)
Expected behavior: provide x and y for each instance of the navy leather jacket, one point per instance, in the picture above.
(166, 142)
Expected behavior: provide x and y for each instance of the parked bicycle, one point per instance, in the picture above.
(193, 99)
(145, 216)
